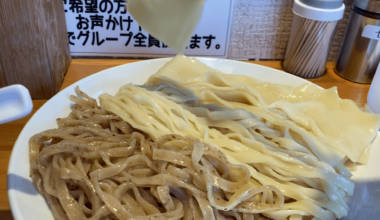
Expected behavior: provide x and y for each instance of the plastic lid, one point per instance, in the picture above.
(323, 4)
(368, 5)
(309, 9)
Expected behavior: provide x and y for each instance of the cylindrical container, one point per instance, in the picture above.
(360, 51)
(34, 47)
(313, 30)
(373, 98)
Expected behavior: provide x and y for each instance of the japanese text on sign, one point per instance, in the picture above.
(104, 27)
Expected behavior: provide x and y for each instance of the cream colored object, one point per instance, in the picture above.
(330, 121)
(156, 115)
(171, 21)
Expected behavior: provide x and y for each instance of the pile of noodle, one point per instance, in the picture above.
(195, 143)
(96, 166)
(300, 140)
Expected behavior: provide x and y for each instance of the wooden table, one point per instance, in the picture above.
(81, 68)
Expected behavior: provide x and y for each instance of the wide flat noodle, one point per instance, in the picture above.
(96, 166)
(209, 146)
(271, 156)
(270, 129)
(335, 122)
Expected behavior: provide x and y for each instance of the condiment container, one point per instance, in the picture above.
(313, 30)
(373, 98)
(360, 51)
(34, 46)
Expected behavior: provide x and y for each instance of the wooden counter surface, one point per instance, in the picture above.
(81, 68)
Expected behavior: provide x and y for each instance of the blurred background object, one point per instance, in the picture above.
(242, 29)
(360, 51)
(34, 48)
(373, 97)
(311, 37)
(261, 29)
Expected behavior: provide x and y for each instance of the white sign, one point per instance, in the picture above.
(105, 28)
(371, 32)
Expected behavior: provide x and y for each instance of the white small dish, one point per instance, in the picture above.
(15, 103)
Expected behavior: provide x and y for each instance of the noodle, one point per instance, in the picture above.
(194, 143)
(296, 139)
(96, 166)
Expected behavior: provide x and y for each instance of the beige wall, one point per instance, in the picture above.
(260, 29)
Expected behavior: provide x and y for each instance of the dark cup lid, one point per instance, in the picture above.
(323, 4)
